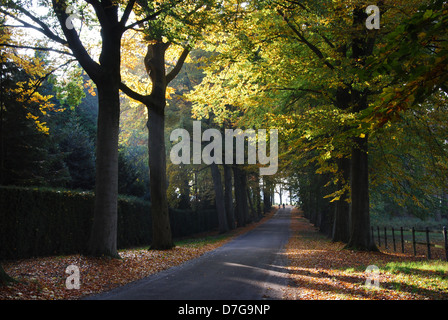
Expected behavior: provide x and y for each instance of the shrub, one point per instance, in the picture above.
(42, 222)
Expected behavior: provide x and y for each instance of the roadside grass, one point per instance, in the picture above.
(323, 270)
(423, 278)
(429, 276)
(202, 241)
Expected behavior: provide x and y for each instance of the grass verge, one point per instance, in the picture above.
(322, 270)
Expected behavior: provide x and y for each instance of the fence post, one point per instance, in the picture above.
(427, 243)
(393, 239)
(402, 240)
(385, 238)
(446, 242)
(413, 241)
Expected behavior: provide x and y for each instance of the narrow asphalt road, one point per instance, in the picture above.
(250, 267)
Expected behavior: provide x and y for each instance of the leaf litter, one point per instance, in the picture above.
(319, 269)
(323, 270)
(44, 278)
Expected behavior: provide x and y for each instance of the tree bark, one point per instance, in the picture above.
(228, 198)
(257, 199)
(106, 75)
(219, 198)
(267, 202)
(161, 227)
(155, 103)
(4, 277)
(341, 221)
(240, 198)
(360, 238)
(103, 238)
(250, 198)
(245, 196)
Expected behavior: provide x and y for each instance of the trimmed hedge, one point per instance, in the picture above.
(42, 222)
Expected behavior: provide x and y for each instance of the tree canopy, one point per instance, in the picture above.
(360, 111)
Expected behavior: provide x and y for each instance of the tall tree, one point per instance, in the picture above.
(219, 198)
(105, 73)
(177, 26)
(305, 70)
(228, 196)
(155, 103)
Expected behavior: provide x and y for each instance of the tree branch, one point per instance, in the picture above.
(41, 79)
(175, 71)
(150, 17)
(153, 15)
(146, 100)
(313, 48)
(127, 12)
(44, 29)
(36, 48)
(327, 40)
(88, 64)
(99, 11)
(297, 89)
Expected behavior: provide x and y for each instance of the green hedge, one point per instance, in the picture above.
(42, 222)
(186, 222)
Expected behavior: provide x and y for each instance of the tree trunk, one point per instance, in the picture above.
(266, 197)
(155, 66)
(240, 198)
(280, 193)
(161, 228)
(245, 196)
(250, 197)
(155, 103)
(341, 221)
(103, 239)
(219, 198)
(228, 198)
(4, 277)
(258, 199)
(360, 238)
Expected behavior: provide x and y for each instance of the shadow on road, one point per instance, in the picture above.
(250, 267)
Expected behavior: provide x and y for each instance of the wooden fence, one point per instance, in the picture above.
(385, 240)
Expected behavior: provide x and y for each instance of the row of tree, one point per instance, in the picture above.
(155, 28)
(355, 107)
(361, 111)
(158, 24)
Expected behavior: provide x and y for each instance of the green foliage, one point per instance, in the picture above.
(438, 268)
(43, 222)
(29, 155)
(187, 222)
(297, 67)
(70, 91)
(384, 219)
(132, 176)
(415, 60)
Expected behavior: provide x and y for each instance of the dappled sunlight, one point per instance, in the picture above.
(323, 270)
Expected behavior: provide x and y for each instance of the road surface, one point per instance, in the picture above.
(250, 267)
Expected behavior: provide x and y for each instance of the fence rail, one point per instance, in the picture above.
(414, 241)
